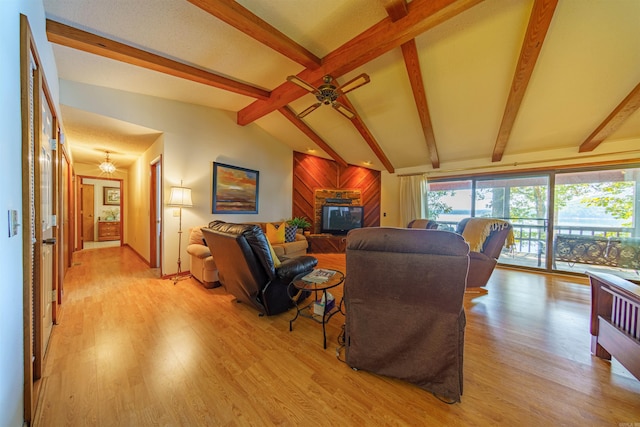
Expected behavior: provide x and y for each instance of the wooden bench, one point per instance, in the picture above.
(615, 320)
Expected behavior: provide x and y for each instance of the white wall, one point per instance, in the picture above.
(11, 343)
(389, 200)
(11, 313)
(193, 138)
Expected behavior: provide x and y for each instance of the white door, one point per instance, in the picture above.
(46, 222)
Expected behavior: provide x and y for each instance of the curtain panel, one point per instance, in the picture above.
(413, 198)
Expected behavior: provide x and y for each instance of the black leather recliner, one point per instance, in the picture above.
(246, 267)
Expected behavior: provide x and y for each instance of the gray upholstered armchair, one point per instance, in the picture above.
(403, 298)
(429, 224)
(484, 258)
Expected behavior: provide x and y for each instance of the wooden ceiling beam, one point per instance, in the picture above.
(293, 118)
(619, 115)
(75, 38)
(367, 135)
(377, 40)
(242, 19)
(412, 63)
(539, 23)
(396, 9)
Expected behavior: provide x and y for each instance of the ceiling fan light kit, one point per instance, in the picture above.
(328, 93)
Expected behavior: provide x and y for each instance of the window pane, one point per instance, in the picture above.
(523, 202)
(596, 224)
(448, 202)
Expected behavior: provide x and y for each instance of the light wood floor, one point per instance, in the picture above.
(134, 350)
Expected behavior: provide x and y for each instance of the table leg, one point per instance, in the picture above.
(295, 302)
(324, 315)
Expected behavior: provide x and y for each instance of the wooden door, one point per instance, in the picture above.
(87, 213)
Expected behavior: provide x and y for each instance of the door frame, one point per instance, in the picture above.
(120, 181)
(155, 213)
(65, 217)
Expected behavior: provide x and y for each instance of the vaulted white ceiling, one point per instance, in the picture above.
(588, 62)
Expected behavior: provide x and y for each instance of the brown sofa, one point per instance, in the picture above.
(287, 250)
(403, 297)
(203, 267)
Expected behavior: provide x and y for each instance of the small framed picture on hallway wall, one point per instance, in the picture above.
(110, 196)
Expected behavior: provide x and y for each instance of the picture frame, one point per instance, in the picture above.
(235, 190)
(111, 196)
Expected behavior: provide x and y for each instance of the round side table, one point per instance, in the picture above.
(317, 289)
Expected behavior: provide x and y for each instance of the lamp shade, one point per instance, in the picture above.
(180, 197)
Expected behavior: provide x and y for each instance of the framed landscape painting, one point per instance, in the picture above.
(235, 189)
(111, 196)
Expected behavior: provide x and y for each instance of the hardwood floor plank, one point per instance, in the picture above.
(133, 349)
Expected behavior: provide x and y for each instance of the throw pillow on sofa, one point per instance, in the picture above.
(290, 233)
(275, 234)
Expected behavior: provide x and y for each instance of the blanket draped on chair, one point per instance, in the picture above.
(478, 229)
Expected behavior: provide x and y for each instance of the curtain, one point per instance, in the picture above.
(413, 198)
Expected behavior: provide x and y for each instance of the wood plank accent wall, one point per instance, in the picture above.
(311, 173)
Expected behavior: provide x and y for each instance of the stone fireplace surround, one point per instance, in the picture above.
(334, 198)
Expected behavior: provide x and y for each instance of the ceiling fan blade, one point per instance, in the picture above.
(309, 109)
(355, 83)
(302, 83)
(342, 109)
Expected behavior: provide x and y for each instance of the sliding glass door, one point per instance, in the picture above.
(596, 222)
(523, 201)
(565, 221)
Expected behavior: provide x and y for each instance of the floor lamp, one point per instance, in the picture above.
(180, 197)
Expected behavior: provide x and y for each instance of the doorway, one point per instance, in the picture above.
(155, 204)
(100, 212)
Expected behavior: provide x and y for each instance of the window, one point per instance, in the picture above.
(595, 216)
(449, 202)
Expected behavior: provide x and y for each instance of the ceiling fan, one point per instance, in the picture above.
(328, 93)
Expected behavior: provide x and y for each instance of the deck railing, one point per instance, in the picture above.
(531, 234)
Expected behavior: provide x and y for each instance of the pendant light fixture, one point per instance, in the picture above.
(107, 166)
